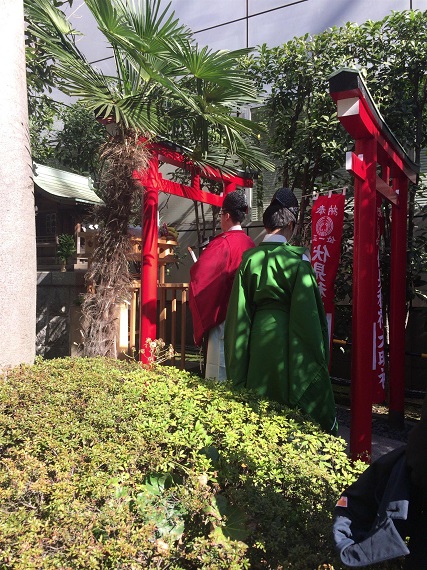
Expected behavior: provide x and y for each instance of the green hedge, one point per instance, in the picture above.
(107, 465)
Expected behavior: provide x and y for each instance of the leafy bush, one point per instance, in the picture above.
(108, 465)
(66, 247)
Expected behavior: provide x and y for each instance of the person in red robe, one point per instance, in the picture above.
(211, 280)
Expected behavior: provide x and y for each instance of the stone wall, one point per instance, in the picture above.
(58, 312)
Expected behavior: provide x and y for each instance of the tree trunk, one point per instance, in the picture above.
(17, 227)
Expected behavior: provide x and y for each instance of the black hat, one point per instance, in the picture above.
(287, 199)
(235, 201)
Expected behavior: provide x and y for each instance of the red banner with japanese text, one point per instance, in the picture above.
(327, 218)
(378, 352)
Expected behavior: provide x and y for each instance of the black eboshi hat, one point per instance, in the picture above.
(235, 201)
(287, 199)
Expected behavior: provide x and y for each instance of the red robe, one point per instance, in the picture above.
(212, 279)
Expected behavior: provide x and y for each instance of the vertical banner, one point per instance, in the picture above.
(327, 218)
(378, 352)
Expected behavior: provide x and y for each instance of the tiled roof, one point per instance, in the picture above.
(65, 185)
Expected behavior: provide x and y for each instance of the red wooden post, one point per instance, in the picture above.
(149, 260)
(364, 296)
(397, 301)
(360, 117)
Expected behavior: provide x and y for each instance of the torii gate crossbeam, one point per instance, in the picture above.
(376, 148)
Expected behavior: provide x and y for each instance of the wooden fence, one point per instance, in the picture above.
(173, 301)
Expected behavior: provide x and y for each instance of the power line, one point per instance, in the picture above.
(102, 59)
(247, 17)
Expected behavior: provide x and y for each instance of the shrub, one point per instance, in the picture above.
(66, 247)
(107, 465)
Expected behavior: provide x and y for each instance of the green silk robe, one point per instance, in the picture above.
(276, 334)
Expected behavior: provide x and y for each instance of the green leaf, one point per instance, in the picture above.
(234, 527)
(157, 484)
(211, 453)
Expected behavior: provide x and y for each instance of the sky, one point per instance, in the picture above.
(269, 21)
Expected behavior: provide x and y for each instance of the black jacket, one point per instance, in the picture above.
(371, 517)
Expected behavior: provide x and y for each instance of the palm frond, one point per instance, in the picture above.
(140, 26)
(50, 25)
(148, 21)
(254, 158)
(161, 76)
(247, 157)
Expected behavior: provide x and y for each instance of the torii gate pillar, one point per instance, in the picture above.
(376, 148)
(149, 265)
(364, 297)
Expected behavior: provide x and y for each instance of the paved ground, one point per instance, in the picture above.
(380, 444)
(384, 437)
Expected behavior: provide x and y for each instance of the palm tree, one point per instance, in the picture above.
(162, 79)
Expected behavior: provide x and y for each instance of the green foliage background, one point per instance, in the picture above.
(304, 134)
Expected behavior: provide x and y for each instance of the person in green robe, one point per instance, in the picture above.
(276, 335)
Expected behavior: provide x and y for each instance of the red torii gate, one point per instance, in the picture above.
(375, 145)
(153, 181)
